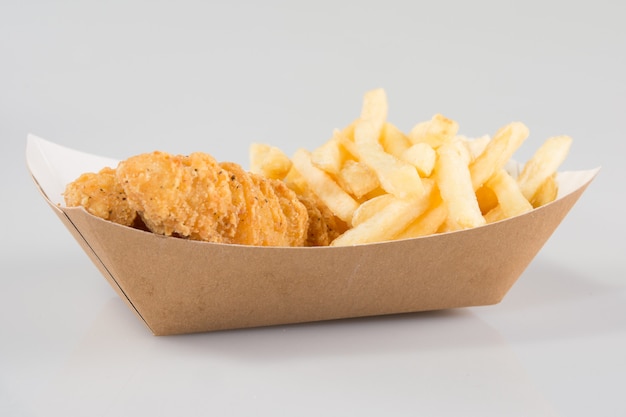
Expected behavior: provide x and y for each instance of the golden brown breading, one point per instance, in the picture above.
(101, 195)
(198, 198)
(282, 217)
(195, 197)
(185, 196)
(244, 230)
(323, 225)
(295, 211)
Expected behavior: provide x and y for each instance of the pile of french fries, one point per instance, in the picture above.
(385, 184)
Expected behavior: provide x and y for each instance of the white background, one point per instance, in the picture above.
(117, 78)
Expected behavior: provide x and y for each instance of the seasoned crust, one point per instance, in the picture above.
(101, 195)
(195, 197)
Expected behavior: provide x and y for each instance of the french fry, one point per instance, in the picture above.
(395, 176)
(461, 148)
(428, 223)
(494, 215)
(393, 140)
(324, 187)
(419, 132)
(330, 156)
(543, 164)
(345, 138)
(497, 152)
(371, 207)
(476, 146)
(375, 109)
(378, 191)
(510, 198)
(436, 132)
(387, 223)
(455, 185)
(357, 178)
(422, 156)
(546, 193)
(269, 161)
(296, 182)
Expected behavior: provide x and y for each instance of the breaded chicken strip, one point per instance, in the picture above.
(101, 195)
(324, 226)
(196, 197)
(178, 195)
(296, 214)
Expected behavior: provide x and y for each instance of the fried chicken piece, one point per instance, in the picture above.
(178, 195)
(101, 195)
(245, 231)
(195, 197)
(272, 214)
(283, 217)
(323, 225)
(198, 198)
(296, 213)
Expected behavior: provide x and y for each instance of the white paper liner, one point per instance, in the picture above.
(54, 166)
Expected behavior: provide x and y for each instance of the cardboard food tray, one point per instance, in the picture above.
(182, 286)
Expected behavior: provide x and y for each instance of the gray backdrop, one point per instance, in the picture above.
(117, 78)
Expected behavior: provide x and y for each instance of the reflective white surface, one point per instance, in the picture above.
(119, 78)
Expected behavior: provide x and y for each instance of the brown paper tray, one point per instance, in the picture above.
(182, 286)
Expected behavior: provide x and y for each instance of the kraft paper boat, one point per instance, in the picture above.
(182, 286)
